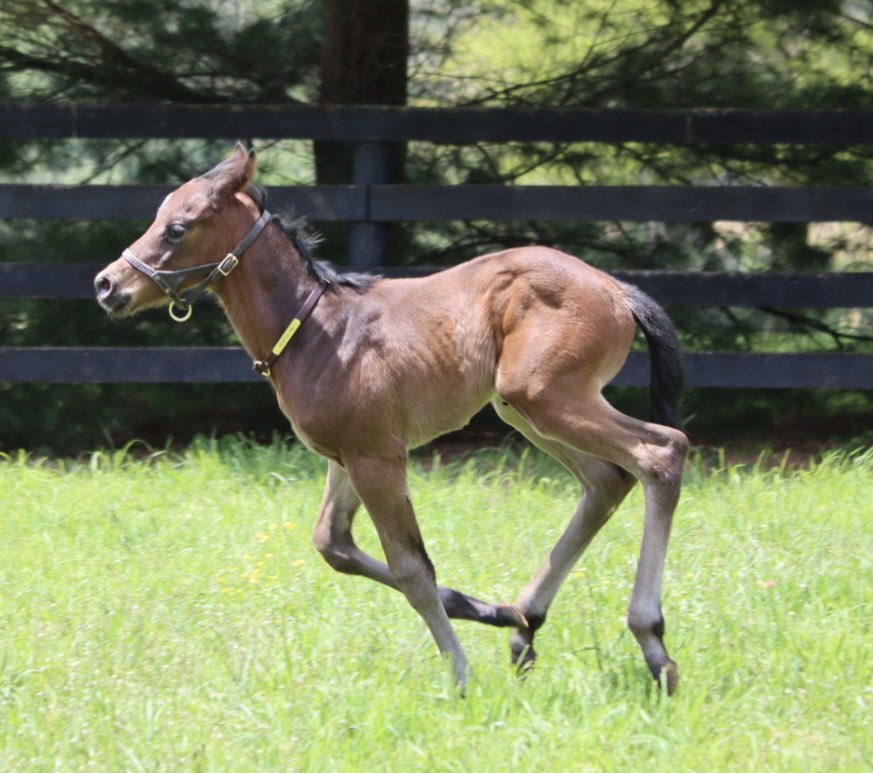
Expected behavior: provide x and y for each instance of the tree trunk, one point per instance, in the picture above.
(364, 61)
(366, 46)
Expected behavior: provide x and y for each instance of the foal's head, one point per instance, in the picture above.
(198, 223)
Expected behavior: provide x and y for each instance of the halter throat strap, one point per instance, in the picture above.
(169, 281)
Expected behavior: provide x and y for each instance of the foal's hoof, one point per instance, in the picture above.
(522, 652)
(669, 677)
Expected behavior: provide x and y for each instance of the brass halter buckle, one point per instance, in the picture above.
(227, 265)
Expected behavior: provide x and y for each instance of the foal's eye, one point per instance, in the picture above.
(175, 232)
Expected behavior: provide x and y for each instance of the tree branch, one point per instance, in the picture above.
(815, 324)
(136, 75)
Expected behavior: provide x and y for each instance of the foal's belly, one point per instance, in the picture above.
(427, 422)
(445, 400)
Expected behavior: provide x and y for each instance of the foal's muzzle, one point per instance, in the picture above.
(108, 295)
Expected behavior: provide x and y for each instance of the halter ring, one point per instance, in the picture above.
(184, 317)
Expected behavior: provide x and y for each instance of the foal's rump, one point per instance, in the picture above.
(523, 323)
(558, 317)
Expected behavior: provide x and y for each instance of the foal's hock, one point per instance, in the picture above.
(366, 367)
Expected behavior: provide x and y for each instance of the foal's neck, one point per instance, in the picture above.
(266, 290)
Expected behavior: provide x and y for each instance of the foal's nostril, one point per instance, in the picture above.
(103, 285)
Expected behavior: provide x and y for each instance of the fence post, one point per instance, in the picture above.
(369, 242)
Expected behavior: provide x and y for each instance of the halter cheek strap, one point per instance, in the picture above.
(169, 281)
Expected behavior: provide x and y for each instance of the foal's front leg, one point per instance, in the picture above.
(381, 484)
(333, 539)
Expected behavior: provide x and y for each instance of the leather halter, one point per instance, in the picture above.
(169, 281)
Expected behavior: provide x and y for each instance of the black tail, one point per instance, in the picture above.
(668, 377)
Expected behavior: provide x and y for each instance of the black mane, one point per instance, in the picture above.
(306, 241)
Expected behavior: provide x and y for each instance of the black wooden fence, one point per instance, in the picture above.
(369, 204)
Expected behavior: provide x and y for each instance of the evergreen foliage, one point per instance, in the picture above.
(602, 53)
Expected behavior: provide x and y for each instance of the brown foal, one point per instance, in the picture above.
(370, 367)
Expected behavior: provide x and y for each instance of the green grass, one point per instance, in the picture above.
(169, 613)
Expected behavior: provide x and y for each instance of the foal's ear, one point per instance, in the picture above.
(231, 175)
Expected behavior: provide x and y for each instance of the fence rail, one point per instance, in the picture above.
(72, 281)
(369, 205)
(219, 365)
(442, 125)
(497, 203)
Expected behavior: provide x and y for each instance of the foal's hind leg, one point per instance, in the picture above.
(652, 453)
(333, 539)
(604, 487)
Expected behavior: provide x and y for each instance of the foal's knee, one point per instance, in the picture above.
(412, 568)
(337, 554)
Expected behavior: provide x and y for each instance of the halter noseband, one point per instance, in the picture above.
(169, 281)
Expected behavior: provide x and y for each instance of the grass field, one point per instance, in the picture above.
(167, 612)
